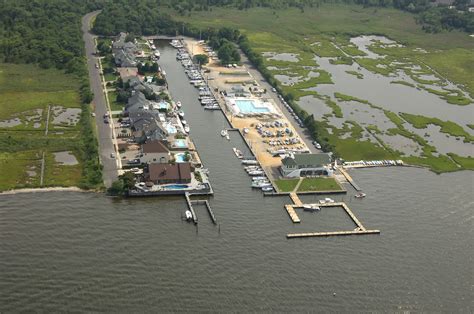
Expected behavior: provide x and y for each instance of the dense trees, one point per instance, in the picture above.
(201, 59)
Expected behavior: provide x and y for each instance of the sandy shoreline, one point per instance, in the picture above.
(41, 190)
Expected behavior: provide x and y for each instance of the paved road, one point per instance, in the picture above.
(303, 132)
(104, 131)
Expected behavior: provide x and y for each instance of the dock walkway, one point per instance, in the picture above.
(294, 197)
(292, 213)
(327, 234)
(349, 179)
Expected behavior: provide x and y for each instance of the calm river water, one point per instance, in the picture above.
(88, 252)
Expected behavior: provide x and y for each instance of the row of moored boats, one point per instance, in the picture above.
(195, 76)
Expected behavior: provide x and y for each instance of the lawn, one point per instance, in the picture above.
(114, 105)
(286, 185)
(23, 89)
(319, 184)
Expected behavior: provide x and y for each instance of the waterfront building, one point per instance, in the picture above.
(168, 173)
(155, 152)
(304, 165)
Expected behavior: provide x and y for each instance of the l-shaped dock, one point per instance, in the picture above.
(359, 230)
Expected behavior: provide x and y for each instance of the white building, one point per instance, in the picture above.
(305, 165)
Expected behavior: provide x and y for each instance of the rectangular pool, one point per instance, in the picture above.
(248, 106)
(180, 143)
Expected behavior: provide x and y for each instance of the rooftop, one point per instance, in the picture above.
(176, 172)
(320, 159)
(155, 147)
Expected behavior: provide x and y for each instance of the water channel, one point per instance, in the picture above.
(87, 252)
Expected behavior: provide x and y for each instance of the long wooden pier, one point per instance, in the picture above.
(328, 234)
(349, 179)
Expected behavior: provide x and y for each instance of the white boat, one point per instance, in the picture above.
(322, 202)
(329, 200)
(189, 215)
(178, 104)
(267, 189)
(227, 137)
(238, 153)
(256, 173)
(250, 162)
(181, 113)
(360, 195)
(311, 207)
(261, 184)
(212, 107)
(186, 129)
(224, 133)
(184, 122)
(259, 178)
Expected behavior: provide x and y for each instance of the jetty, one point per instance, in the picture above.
(349, 179)
(190, 203)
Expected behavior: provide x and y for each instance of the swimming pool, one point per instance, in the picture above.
(180, 157)
(248, 106)
(180, 143)
(176, 186)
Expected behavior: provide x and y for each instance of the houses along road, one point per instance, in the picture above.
(104, 131)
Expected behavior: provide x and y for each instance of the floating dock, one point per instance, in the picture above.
(359, 230)
(349, 179)
(291, 212)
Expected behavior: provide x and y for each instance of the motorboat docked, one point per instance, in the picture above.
(188, 215)
(238, 153)
(212, 107)
(178, 104)
(259, 178)
(261, 184)
(360, 195)
(326, 201)
(224, 133)
(184, 122)
(186, 129)
(311, 207)
(250, 162)
(181, 113)
(256, 173)
(267, 189)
